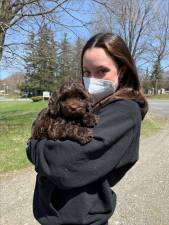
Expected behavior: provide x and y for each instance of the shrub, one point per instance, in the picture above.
(37, 98)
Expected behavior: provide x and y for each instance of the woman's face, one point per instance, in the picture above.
(98, 64)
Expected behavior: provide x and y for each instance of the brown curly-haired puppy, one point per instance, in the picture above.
(68, 116)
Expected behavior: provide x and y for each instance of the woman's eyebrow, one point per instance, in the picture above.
(100, 67)
(97, 67)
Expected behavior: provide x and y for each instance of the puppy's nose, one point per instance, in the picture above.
(73, 107)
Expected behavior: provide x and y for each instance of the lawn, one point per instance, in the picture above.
(15, 126)
(151, 124)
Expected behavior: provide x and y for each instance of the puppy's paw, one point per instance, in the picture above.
(90, 120)
(84, 140)
(85, 135)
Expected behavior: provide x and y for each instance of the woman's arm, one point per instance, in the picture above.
(70, 164)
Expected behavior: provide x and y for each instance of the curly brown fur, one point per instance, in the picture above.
(68, 116)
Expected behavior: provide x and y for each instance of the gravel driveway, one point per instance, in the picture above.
(143, 194)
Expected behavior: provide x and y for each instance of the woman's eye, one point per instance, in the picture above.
(103, 71)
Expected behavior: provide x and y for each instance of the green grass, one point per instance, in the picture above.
(152, 124)
(162, 96)
(15, 126)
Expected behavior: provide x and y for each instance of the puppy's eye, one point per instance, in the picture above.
(81, 95)
(63, 98)
(78, 98)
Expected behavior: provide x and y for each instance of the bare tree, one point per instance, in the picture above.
(131, 19)
(159, 43)
(23, 16)
(15, 15)
(159, 46)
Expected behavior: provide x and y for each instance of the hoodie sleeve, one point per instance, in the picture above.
(70, 164)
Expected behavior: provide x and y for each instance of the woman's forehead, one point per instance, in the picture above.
(96, 57)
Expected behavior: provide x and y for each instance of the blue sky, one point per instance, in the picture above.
(83, 13)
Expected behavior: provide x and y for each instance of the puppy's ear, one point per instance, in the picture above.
(53, 104)
(88, 97)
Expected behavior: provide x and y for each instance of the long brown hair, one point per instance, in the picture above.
(129, 85)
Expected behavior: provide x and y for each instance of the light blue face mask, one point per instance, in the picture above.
(99, 88)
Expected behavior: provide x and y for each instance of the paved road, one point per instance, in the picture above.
(159, 106)
(3, 99)
(143, 194)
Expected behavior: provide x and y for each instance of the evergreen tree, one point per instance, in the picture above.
(76, 63)
(41, 62)
(31, 65)
(146, 82)
(156, 76)
(64, 60)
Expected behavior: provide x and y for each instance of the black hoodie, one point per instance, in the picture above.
(73, 180)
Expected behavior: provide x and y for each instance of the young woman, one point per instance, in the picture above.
(73, 184)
